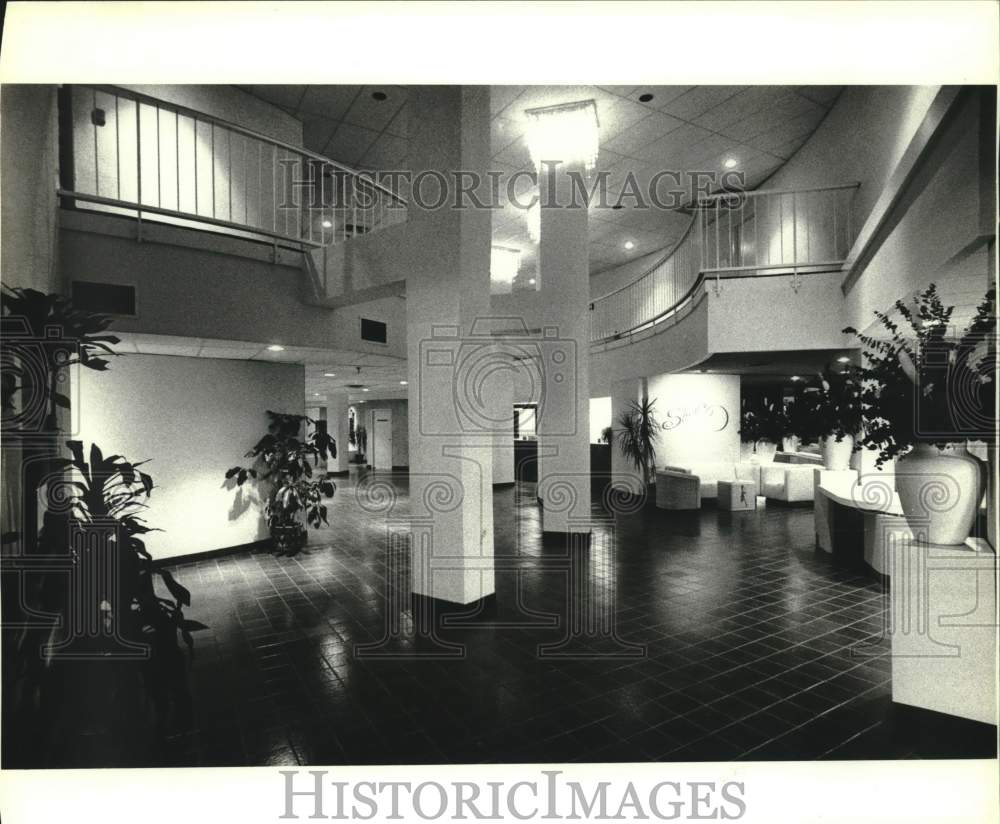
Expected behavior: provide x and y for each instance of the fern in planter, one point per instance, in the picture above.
(283, 463)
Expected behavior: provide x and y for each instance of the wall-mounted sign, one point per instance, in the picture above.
(703, 417)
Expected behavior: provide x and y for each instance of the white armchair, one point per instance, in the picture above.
(791, 483)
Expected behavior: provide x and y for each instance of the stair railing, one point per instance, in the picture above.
(126, 153)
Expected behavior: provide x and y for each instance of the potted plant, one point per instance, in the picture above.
(759, 427)
(924, 393)
(105, 499)
(283, 463)
(637, 428)
(829, 408)
(607, 435)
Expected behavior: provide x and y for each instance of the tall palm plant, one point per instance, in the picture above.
(637, 436)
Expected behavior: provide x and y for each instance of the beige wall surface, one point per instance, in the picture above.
(29, 169)
(193, 418)
(699, 417)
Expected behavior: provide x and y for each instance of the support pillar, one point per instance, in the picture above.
(501, 400)
(336, 426)
(564, 412)
(447, 290)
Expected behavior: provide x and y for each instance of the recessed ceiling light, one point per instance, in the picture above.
(327, 224)
(365, 389)
(274, 347)
(404, 383)
(843, 359)
(315, 394)
(730, 163)
(645, 98)
(380, 96)
(531, 281)
(329, 374)
(629, 244)
(796, 378)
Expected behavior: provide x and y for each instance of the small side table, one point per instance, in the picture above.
(737, 495)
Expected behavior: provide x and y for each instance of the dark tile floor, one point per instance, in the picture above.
(751, 645)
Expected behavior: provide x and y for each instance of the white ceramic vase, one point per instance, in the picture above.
(764, 453)
(837, 455)
(790, 444)
(939, 491)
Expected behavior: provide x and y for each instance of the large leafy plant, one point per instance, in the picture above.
(829, 405)
(921, 383)
(763, 421)
(110, 493)
(283, 460)
(637, 430)
(43, 335)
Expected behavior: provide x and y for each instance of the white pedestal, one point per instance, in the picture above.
(943, 627)
(737, 495)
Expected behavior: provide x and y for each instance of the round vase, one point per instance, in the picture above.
(790, 444)
(765, 452)
(837, 455)
(939, 491)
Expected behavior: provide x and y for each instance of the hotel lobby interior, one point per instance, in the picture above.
(497, 424)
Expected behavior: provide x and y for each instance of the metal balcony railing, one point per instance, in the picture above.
(130, 154)
(733, 235)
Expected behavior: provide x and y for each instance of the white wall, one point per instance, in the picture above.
(29, 178)
(400, 426)
(194, 418)
(600, 417)
(699, 418)
(187, 165)
(180, 290)
(765, 313)
(862, 140)
(936, 238)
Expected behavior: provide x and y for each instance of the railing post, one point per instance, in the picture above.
(138, 171)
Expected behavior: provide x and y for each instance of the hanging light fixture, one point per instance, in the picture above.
(568, 133)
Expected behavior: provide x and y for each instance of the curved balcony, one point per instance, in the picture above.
(746, 234)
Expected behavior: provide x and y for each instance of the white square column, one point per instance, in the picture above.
(447, 290)
(564, 412)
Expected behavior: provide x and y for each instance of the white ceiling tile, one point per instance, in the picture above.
(699, 100)
(328, 101)
(317, 131)
(400, 124)
(741, 105)
(375, 114)
(502, 96)
(286, 96)
(349, 143)
(652, 127)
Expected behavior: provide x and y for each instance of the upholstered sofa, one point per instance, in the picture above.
(709, 474)
(685, 487)
(677, 488)
(791, 483)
